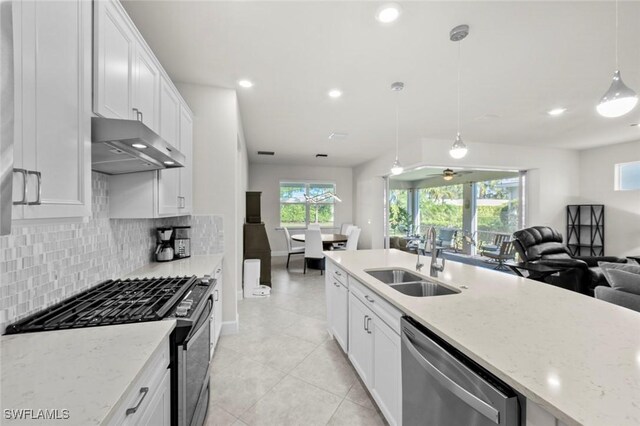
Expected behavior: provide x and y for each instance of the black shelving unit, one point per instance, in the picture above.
(585, 229)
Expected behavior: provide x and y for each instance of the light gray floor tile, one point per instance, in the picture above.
(219, 417)
(352, 414)
(223, 357)
(239, 387)
(359, 395)
(293, 402)
(309, 329)
(282, 352)
(327, 369)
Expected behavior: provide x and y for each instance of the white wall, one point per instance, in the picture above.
(622, 208)
(266, 178)
(219, 176)
(552, 180)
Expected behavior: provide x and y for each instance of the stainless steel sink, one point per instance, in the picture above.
(393, 276)
(423, 289)
(409, 283)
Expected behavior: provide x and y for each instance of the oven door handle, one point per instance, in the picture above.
(203, 325)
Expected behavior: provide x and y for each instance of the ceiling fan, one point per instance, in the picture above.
(448, 174)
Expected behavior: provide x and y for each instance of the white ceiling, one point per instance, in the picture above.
(520, 59)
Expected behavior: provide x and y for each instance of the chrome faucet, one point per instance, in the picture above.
(435, 266)
(418, 264)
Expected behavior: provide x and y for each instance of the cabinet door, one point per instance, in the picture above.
(158, 412)
(217, 305)
(387, 374)
(55, 134)
(114, 49)
(360, 339)
(146, 88)
(339, 320)
(186, 173)
(169, 180)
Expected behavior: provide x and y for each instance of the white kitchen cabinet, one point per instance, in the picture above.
(185, 204)
(387, 373)
(53, 109)
(149, 400)
(361, 339)
(146, 89)
(216, 314)
(538, 416)
(169, 179)
(114, 46)
(338, 320)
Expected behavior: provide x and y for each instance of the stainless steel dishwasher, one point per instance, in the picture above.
(442, 387)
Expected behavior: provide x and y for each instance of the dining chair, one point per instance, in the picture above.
(314, 226)
(313, 248)
(352, 241)
(290, 248)
(344, 228)
(507, 252)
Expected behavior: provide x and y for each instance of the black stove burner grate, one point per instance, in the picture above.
(112, 302)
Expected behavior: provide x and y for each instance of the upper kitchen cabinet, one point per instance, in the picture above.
(186, 173)
(52, 141)
(146, 91)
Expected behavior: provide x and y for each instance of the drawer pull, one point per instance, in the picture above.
(364, 325)
(369, 298)
(22, 202)
(336, 284)
(338, 273)
(367, 327)
(143, 391)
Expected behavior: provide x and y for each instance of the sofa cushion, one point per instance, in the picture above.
(622, 276)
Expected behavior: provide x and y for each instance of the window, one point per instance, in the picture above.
(297, 212)
(627, 176)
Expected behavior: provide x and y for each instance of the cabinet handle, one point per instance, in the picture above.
(368, 330)
(216, 298)
(184, 202)
(135, 110)
(143, 391)
(22, 202)
(336, 284)
(140, 116)
(364, 322)
(369, 299)
(38, 200)
(338, 273)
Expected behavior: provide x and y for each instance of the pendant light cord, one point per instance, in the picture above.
(459, 47)
(397, 124)
(617, 68)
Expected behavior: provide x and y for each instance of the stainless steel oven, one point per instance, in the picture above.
(192, 356)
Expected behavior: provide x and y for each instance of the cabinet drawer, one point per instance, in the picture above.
(140, 395)
(387, 313)
(336, 272)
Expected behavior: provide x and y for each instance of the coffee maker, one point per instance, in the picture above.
(181, 241)
(164, 250)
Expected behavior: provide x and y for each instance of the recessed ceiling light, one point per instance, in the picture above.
(557, 111)
(245, 83)
(335, 93)
(388, 13)
(138, 145)
(169, 163)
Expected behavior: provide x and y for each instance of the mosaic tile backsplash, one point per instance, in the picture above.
(43, 264)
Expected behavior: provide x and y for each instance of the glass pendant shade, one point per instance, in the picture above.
(619, 99)
(397, 168)
(458, 149)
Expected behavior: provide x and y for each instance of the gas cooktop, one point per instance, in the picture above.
(110, 303)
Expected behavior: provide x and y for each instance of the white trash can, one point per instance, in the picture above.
(252, 287)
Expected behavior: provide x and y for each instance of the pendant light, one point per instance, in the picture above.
(619, 99)
(397, 168)
(458, 149)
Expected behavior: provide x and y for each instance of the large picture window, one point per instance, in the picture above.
(295, 209)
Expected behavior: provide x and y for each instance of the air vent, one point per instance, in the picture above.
(117, 151)
(266, 153)
(321, 155)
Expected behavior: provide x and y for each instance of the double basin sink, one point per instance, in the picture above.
(409, 283)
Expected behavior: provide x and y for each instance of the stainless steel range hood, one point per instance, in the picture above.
(128, 146)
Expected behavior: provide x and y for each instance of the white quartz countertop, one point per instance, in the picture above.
(577, 357)
(195, 265)
(85, 371)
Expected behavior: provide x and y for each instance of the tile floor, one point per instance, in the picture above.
(282, 368)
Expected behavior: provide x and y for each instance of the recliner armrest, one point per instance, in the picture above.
(568, 263)
(592, 261)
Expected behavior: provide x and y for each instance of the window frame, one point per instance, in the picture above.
(617, 186)
(308, 210)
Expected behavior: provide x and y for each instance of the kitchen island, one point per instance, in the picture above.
(82, 376)
(576, 357)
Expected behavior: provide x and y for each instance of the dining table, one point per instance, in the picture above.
(327, 239)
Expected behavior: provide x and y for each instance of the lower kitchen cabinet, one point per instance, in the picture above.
(158, 413)
(360, 339)
(387, 373)
(338, 321)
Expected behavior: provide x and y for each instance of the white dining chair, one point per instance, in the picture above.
(352, 241)
(290, 248)
(313, 247)
(344, 228)
(314, 226)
